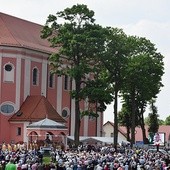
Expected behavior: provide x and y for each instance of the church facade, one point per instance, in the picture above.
(28, 92)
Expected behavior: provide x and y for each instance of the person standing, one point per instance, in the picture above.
(157, 141)
(11, 165)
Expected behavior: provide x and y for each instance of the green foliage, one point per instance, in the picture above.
(103, 63)
(146, 120)
(167, 121)
(161, 122)
(124, 116)
(145, 68)
(142, 76)
(78, 41)
(153, 123)
(89, 113)
(115, 55)
(114, 59)
(98, 91)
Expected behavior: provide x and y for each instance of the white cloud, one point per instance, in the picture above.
(157, 32)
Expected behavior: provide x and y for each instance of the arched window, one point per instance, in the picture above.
(66, 82)
(8, 72)
(35, 76)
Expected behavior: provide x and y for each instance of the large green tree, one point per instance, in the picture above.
(78, 40)
(114, 59)
(142, 79)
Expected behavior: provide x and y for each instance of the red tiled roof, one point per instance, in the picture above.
(109, 123)
(36, 108)
(138, 135)
(17, 32)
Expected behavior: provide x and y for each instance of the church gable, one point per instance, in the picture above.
(36, 108)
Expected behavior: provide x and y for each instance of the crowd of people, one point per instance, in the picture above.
(85, 158)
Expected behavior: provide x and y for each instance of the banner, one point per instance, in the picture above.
(157, 138)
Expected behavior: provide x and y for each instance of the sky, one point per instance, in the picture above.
(146, 18)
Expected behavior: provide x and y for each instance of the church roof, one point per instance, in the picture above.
(138, 131)
(17, 32)
(46, 123)
(36, 108)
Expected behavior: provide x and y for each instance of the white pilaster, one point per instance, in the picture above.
(0, 75)
(44, 79)
(72, 112)
(18, 82)
(25, 138)
(99, 124)
(86, 118)
(59, 94)
(27, 77)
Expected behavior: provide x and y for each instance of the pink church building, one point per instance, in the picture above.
(33, 103)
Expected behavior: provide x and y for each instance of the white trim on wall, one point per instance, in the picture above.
(99, 124)
(26, 56)
(86, 120)
(27, 53)
(59, 94)
(72, 123)
(44, 78)
(27, 78)
(0, 74)
(18, 82)
(25, 137)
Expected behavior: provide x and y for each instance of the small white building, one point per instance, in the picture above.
(108, 132)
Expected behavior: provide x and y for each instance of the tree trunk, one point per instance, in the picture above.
(145, 140)
(115, 130)
(133, 120)
(77, 116)
(128, 133)
(77, 124)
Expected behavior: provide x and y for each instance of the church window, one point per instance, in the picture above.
(18, 131)
(8, 73)
(51, 80)
(35, 76)
(65, 113)
(66, 82)
(8, 67)
(7, 108)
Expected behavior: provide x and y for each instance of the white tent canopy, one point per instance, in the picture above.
(47, 123)
(94, 139)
